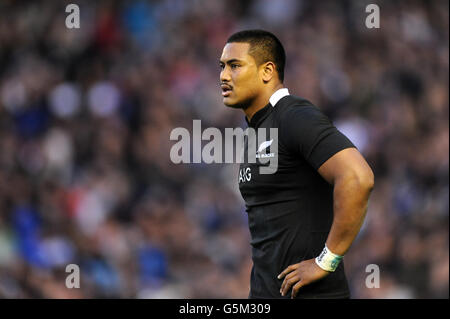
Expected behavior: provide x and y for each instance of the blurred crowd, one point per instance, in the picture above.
(85, 120)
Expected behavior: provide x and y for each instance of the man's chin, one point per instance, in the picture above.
(234, 105)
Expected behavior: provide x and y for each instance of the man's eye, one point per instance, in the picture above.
(221, 66)
(234, 66)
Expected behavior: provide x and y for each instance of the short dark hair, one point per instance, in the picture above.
(264, 47)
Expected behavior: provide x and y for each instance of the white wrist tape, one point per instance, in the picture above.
(327, 260)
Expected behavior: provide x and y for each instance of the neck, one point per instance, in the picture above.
(261, 101)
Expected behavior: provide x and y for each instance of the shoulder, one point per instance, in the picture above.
(293, 109)
(293, 101)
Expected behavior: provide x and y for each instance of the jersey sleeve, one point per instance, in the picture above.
(306, 131)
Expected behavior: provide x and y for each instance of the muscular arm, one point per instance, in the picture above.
(353, 181)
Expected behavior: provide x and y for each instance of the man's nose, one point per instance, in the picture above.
(225, 75)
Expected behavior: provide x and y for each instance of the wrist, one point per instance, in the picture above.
(327, 260)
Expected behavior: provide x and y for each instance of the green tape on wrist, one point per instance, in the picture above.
(327, 260)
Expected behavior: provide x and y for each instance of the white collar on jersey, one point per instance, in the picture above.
(277, 95)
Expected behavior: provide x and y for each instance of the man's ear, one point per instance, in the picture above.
(268, 71)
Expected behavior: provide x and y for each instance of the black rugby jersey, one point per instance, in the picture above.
(290, 212)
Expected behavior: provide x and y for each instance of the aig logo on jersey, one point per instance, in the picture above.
(245, 175)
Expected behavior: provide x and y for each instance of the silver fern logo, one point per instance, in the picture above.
(262, 147)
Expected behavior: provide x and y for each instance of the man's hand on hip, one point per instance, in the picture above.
(299, 275)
